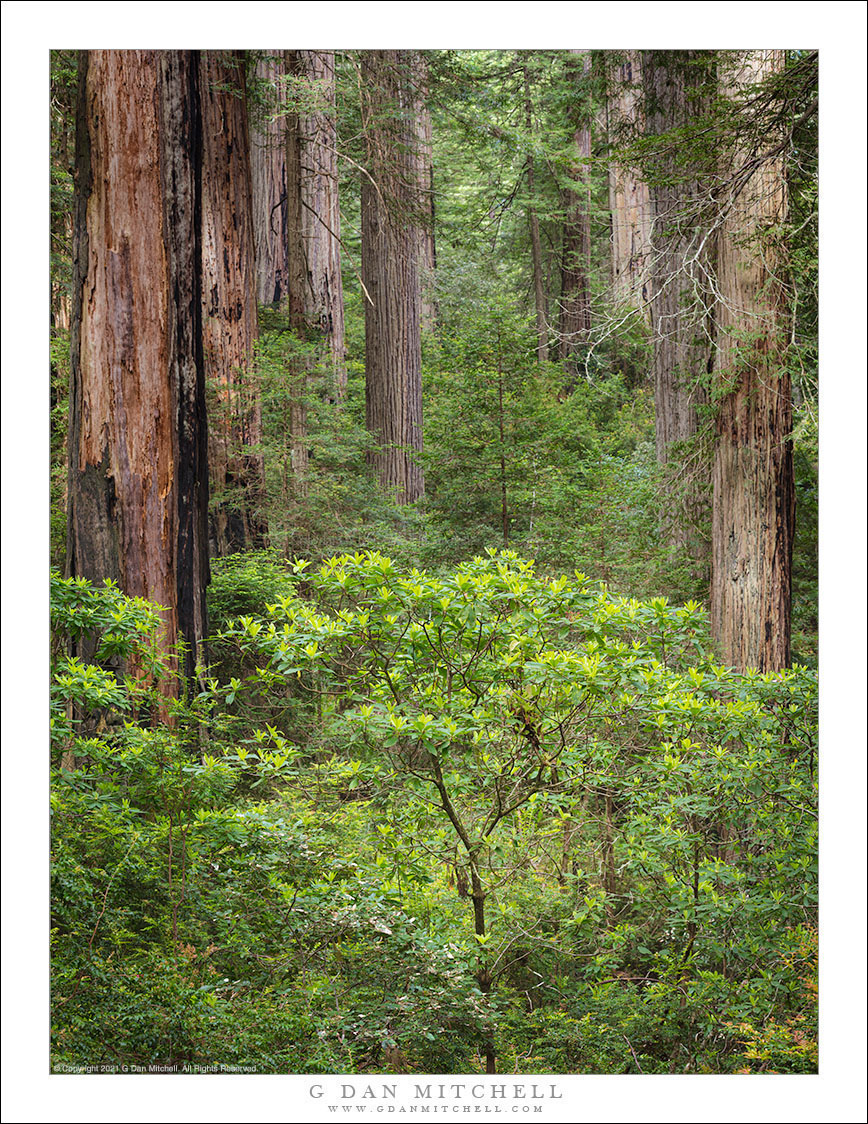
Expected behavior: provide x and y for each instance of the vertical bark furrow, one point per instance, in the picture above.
(183, 205)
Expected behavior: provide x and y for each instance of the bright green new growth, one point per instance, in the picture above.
(441, 818)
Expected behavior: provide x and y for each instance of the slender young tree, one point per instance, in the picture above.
(390, 271)
(229, 305)
(316, 304)
(138, 475)
(754, 493)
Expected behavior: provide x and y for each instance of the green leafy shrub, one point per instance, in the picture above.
(547, 734)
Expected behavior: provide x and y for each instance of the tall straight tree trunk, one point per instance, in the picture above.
(628, 192)
(268, 178)
(680, 293)
(575, 310)
(62, 159)
(390, 272)
(539, 293)
(425, 179)
(754, 493)
(229, 305)
(138, 475)
(316, 305)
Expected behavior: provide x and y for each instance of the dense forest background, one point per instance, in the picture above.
(569, 351)
(404, 801)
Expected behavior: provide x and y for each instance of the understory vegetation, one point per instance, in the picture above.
(412, 821)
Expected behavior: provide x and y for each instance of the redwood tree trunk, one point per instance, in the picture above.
(425, 179)
(539, 293)
(229, 305)
(575, 311)
(628, 192)
(754, 493)
(390, 272)
(138, 476)
(268, 178)
(316, 305)
(680, 293)
(62, 161)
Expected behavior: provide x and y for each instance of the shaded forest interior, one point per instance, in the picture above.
(434, 560)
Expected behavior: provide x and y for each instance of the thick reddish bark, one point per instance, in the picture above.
(229, 305)
(138, 479)
(390, 272)
(754, 494)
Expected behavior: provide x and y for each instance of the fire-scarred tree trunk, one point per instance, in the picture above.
(138, 476)
(316, 305)
(268, 177)
(628, 192)
(229, 305)
(754, 494)
(390, 272)
(680, 293)
(575, 306)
